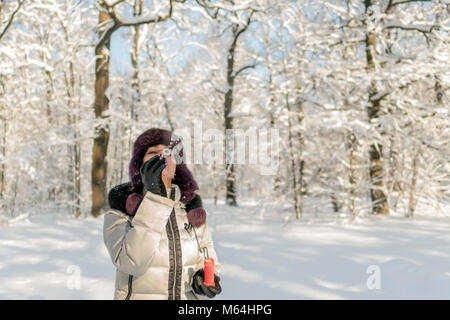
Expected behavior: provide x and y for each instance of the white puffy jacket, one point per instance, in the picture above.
(155, 252)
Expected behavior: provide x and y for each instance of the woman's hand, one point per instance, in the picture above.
(151, 172)
(200, 288)
(158, 172)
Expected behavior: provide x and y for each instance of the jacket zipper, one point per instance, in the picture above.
(130, 277)
(130, 282)
(175, 260)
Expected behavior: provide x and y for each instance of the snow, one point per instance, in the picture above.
(239, 114)
(324, 259)
(37, 255)
(265, 254)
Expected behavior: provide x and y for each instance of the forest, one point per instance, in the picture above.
(356, 94)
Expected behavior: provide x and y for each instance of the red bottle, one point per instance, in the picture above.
(209, 272)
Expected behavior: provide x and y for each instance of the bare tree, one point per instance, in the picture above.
(238, 26)
(379, 199)
(237, 31)
(4, 126)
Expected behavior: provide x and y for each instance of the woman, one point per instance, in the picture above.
(156, 230)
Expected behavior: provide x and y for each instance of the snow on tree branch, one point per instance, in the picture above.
(421, 28)
(118, 22)
(11, 18)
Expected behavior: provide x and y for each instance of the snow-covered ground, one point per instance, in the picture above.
(264, 256)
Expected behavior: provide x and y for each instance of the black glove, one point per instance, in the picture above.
(117, 196)
(200, 288)
(151, 176)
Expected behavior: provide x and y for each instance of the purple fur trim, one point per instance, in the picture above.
(197, 217)
(133, 202)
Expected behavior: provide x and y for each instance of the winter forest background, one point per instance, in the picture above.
(358, 91)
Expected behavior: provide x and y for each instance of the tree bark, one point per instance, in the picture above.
(351, 145)
(231, 197)
(412, 204)
(74, 170)
(301, 169)
(3, 141)
(77, 152)
(215, 184)
(378, 198)
(100, 146)
(228, 105)
(3, 167)
(230, 174)
(298, 212)
(277, 180)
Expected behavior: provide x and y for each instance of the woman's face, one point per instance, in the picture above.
(153, 151)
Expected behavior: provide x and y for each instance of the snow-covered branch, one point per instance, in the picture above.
(11, 18)
(381, 95)
(251, 66)
(417, 27)
(393, 3)
(118, 22)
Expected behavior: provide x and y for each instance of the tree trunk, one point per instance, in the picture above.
(230, 174)
(228, 105)
(271, 107)
(70, 148)
(3, 166)
(166, 106)
(297, 204)
(412, 203)
(135, 87)
(49, 82)
(75, 166)
(335, 202)
(100, 146)
(13, 205)
(215, 184)
(439, 90)
(298, 212)
(378, 198)
(74, 150)
(301, 169)
(351, 177)
(70, 186)
(77, 151)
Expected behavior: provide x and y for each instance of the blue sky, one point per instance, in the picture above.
(120, 48)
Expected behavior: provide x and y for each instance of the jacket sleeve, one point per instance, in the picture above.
(206, 241)
(132, 244)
